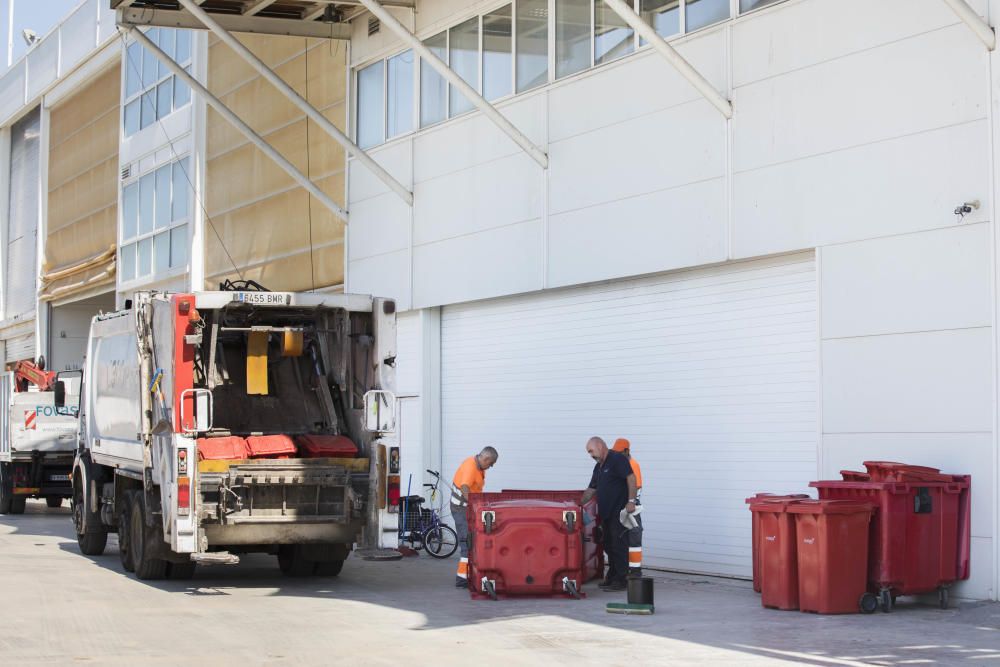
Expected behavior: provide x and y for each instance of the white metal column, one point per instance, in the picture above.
(312, 112)
(452, 77)
(670, 54)
(245, 129)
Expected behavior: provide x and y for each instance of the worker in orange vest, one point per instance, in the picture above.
(623, 446)
(469, 478)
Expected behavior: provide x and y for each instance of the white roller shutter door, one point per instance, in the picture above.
(711, 373)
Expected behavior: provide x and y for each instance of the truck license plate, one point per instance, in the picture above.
(263, 298)
(58, 478)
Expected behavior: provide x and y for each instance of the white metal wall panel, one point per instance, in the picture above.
(408, 357)
(23, 216)
(712, 373)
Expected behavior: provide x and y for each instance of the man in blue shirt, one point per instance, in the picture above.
(614, 484)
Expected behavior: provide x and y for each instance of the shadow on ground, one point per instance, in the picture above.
(715, 613)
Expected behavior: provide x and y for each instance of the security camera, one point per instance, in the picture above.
(30, 36)
(965, 208)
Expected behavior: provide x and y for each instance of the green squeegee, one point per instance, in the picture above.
(632, 609)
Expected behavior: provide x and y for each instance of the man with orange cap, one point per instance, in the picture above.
(623, 446)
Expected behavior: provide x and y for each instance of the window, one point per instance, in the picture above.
(572, 36)
(370, 93)
(463, 58)
(613, 38)
(750, 5)
(532, 46)
(663, 15)
(701, 13)
(433, 87)
(399, 114)
(151, 92)
(154, 222)
(498, 62)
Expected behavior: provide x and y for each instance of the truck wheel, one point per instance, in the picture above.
(142, 542)
(53, 501)
(329, 568)
(293, 563)
(6, 488)
(181, 571)
(124, 526)
(17, 504)
(93, 541)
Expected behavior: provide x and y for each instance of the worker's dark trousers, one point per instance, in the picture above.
(462, 530)
(616, 546)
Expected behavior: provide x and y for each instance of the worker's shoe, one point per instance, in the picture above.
(614, 586)
(635, 573)
(461, 583)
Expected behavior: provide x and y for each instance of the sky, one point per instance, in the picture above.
(38, 15)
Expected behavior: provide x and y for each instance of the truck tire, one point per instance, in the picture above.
(6, 488)
(124, 526)
(293, 562)
(53, 501)
(92, 540)
(142, 542)
(181, 571)
(329, 568)
(17, 504)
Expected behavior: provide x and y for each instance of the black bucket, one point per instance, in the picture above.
(640, 591)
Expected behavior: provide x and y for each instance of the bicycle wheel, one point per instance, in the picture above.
(441, 541)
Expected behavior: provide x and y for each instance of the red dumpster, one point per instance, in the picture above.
(271, 447)
(330, 446)
(779, 580)
(755, 529)
(531, 543)
(832, 555)
(919, 533)
(223, 448)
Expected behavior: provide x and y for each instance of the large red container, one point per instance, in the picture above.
(755, 529)
(532, 543)
(329, 446)
(832, 553)
(919, 533)
(271, 447)
(778, 569)
(229, 448)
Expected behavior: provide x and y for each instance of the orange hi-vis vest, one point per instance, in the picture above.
(468, 474)
(637, 471)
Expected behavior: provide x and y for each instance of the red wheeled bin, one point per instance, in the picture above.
(755, 529)
(832, 554)
(778, 564)
(920, 531)
(532, 543)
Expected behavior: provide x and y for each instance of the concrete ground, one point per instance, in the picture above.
(60, 607)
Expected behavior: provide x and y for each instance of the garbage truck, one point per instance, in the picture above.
(39, 412)
(220, 423)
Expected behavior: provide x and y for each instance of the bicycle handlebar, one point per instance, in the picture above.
(435, 474)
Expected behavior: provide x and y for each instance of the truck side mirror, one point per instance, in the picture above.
(380, 411)
(60, 394)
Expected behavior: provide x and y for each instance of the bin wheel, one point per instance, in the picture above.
(868, 603)
(490, 589)
(572, 590)
(885, 597)
(943, 597)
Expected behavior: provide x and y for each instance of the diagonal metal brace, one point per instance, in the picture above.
(975, 22)
(670, 54)
(312, 112)
(245, 129)
(383, 15)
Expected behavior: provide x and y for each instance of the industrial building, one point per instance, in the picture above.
(758, 241)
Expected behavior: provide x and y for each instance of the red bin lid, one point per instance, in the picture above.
(775, 496)
(775, 503)
(830, 507)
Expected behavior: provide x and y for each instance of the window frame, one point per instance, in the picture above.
(169, 229)
(153, 87)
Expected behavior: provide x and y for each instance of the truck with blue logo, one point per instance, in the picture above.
(39, 420)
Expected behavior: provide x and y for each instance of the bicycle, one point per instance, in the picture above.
(422, 528)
